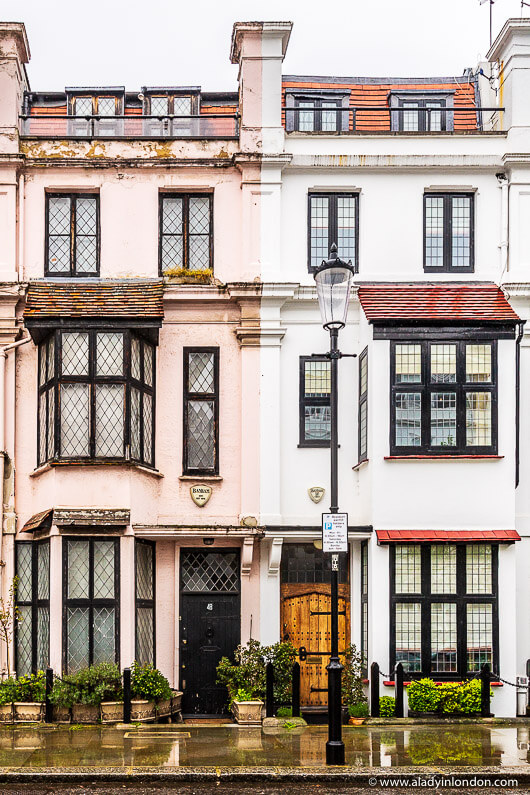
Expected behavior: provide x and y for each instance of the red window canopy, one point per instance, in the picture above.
(455, 536)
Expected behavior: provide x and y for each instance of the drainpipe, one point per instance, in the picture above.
(20, 257)
(517, 396)
(3, 356)
(503, 245)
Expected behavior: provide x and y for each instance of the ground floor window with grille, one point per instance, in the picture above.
(90, 602)
(444, 616)
(145, 602)
(32, 628)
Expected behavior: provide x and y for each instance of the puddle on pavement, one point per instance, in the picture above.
(24, 746)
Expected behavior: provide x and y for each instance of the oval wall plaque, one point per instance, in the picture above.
(200, 494)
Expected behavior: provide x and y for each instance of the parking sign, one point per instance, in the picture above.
(335, 532)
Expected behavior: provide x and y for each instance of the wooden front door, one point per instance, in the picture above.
(305, 616)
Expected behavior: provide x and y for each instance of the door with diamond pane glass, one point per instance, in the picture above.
(210, 625)
(90, 608)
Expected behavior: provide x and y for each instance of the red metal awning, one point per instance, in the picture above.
(415, 536)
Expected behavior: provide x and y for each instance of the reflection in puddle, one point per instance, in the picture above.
(157, 746)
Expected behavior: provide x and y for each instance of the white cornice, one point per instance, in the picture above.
(385, 162)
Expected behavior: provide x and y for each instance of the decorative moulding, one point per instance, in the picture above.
(275, 556)
(247, 553)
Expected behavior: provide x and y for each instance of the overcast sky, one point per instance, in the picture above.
(187, 42)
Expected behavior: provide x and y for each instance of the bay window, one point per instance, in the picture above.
(444, 398)
(444, 608)
(96, 396)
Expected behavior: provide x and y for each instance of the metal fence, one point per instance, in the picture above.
(212, 125)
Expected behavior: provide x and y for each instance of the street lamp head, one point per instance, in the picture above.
(334, 280)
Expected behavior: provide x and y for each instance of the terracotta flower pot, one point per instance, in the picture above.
(85, 713)
(356, 721)
(6, 713)
(142, 710)
(28, 711)
(248, 713)
(111, 711)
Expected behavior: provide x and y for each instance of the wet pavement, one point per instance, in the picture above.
(34, 748)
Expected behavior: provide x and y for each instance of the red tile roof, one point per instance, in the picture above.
(367, 95)
(141, 299)
(473, 302)
(410, 536)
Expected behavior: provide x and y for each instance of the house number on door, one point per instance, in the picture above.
(209, 606)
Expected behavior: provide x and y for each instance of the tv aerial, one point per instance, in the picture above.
(491, 19)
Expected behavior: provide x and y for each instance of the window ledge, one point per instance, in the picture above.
(195, 478)
(361, 464)
(443, 457)
(391, 682)
(130, 465)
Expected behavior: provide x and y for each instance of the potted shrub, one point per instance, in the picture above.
(111, 692)
(62, 697)
(29, 696)
(353, 695)
(358, 713)
(7, 691)
(149, 687)
(244, 678)
(246, 708)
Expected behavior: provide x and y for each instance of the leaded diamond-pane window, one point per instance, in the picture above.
(207, 572)
(363, 405)
(145, 604)
(333, 218)
(201, 437)
(447, 626)
(72, 239)
(91, 598)
(92, 392)
(32, 630)
(185, 233)
(443, 398)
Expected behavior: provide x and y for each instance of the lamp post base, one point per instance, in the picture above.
(334, 752)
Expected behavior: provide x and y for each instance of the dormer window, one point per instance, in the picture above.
(170, 105)
(95, 111)
(95, 106)
(422, 111)
(325, 111)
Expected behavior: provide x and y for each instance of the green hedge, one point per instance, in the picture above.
(424, 695)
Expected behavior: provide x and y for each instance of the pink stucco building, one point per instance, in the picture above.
(164, 408)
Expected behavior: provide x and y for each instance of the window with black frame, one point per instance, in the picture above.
(448, 220)
(444, 398)
(72, 235)
(363, 405)
(317, 114)
(96, 396)
(32, 627)
(90, 602)
(420, 115)
(186, 233)
(201, 411)
(364, 605)
(333, 218)
(145, 601)
(314, 403)
(444, 618)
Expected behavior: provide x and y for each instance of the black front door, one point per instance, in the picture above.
(209, 625)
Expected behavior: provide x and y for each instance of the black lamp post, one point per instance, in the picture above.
(333, 282)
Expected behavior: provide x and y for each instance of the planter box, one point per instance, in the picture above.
(442, 715)
(163, 708)
(6, 713)
(142, 711)
(248, 713)
(112, 711)
(85, 713)
(28, 712)
(61, 714)
(176, 706)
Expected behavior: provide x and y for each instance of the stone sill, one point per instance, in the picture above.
(443, 457)
(198, 478)
(52, 464)
(360, 465)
